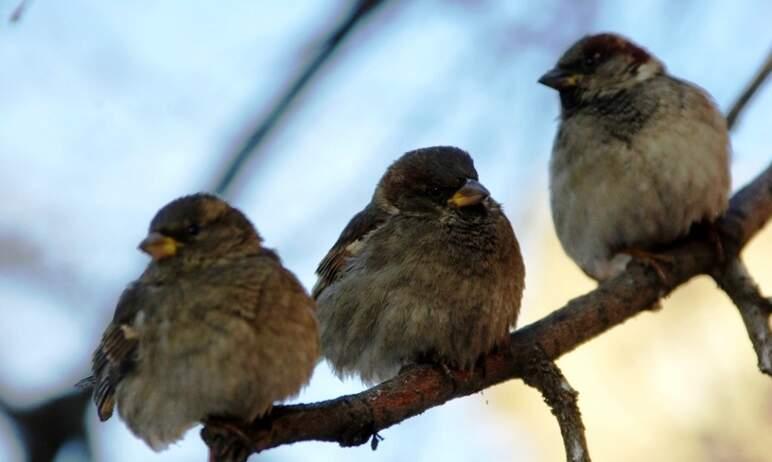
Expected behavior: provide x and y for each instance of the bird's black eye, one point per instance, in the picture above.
(193, 229)
(591, 61)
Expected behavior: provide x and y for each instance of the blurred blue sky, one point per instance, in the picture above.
(110, 109)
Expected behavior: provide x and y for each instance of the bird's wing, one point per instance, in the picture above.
(348, 244)
(115, 355)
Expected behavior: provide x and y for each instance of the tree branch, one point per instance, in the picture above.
(45, 428)
(749, 91)
(19, 11)
(734, 278)
(353, 419)
(546, 376)
(361, 10)
(754, 309)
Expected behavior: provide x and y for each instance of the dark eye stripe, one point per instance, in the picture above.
(181, 234)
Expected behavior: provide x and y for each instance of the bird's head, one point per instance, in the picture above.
(432, 179)
(199, 227)
(600, 65)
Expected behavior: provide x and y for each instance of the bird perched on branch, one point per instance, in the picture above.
(639, 158)
(214, 326)
(429, 271)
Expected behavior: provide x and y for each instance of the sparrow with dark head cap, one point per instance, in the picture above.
(214, 326)
(430, 270)
(639, 158)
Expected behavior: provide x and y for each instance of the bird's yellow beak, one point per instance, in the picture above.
(159, 246)
(470, 194)
(560, 79)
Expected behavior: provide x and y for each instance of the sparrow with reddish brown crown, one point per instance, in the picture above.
(639, 158)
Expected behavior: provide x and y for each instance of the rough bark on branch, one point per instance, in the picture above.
(546, 376)
(353, 419)
(754, 309)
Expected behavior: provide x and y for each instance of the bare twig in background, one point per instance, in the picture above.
(750, 90)
(546, 376)
(18, 12)
(361, 10)
(47, 427)
(353, 419)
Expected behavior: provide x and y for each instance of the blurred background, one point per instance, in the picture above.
(108, 110)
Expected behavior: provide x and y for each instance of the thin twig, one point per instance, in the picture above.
(754, 309)
(353, 419)
(18, 12)
(47, 427)
(280, 108)
(546, 376)
(750, 91)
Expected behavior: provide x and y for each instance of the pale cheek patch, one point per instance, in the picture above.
(139, 319)
(646, 71)
(129, 333)
(355, 247)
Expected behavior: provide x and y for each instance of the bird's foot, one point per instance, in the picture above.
(655, 261)
(446, 371)
(226, 441)
(430, 359)
(375, 440)
(714, 237)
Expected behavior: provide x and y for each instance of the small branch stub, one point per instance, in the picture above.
(546, 376)
(754, 308)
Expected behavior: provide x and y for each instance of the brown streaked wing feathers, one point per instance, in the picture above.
(329, 269)
(115, 354)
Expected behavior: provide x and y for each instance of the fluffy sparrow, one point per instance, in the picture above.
(214, 326)
(429, 271)
(639, 158)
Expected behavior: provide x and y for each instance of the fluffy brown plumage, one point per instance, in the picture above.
(430, 270)
(214, 326)
(639, 158)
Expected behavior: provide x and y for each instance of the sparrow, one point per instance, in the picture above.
(640, 156)
(429, 271)
(214, 326)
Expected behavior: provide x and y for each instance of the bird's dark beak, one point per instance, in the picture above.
(560, 79)
(159, 246)
(470, 194)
